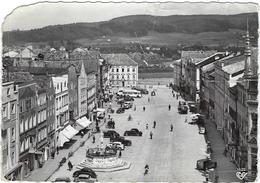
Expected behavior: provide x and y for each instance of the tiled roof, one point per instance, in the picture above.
(119, 59)
(196, 56)
(234, 67)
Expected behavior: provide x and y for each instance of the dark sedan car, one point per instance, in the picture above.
(183, 109)
(110, 133)
(85, 170)
(133, 132)
(120, 110)
(122, 140)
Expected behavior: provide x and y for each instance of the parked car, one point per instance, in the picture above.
(133, 132)
(120, 110)
(116, 145)
(84, 178)
(85, 170)
(142, 90)
(128, 98)
(183, 109)
(127, 105)
(62, 179)
(110, 133)
(202, 130)
(194, 117)
(121, 139)
(111, 124)
(205, 164)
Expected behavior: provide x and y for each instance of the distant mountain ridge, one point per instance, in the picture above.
(136, 25)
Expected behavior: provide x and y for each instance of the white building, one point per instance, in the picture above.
(123, 71)
(61, 101)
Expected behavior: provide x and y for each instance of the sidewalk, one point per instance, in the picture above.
(226, 170)
(52, 165)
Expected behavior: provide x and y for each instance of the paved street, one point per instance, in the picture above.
(171, 156)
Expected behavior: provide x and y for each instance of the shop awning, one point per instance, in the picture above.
(99, 110)
(62, 139)
(83, 122)
(69, 132)
(13, 169)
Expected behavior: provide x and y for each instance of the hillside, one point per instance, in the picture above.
(135, 25)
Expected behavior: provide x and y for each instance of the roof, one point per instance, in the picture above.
(234, 67)
(211, 58)
(233, 80)
(119, 59)
(11, 54)
(196, 56)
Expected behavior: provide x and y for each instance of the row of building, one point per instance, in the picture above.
(224, 86)
(44, 102)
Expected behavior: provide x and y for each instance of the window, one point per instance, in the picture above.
(12, 158)
(5, 111)
(28, 104)
(30, 122)
(117, 70)
(123, 69)
(133, 69)
(25, 125)
(34, 120)
(57, 86)
(13, 108)
(65, 84)
(21, 126)
(128, 69)
(133, 76)
(112, 69)
(13, 134)
(8, 91)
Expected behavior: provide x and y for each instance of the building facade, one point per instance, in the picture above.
(82, 91)
(61, 103)
(28, 112)
(11, 167)
(123, 71)
(91, 94)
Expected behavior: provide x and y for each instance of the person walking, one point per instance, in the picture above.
(70, 166)
(143, 108)
(94, 139)
(148, 99)
(154, 124)
(169, 107)
(120, 154)
(151, 135)
(171, 127)
(146, 126)
(186, 120)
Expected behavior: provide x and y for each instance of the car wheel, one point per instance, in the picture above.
(140, 134)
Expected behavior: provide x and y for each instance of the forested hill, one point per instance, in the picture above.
(136, 25)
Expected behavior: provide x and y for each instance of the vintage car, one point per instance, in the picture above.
(121, 139)
(205, 164)
(85, 170)
(120, 110)
(116, 145)
(127, 105)
(110, 133)
(142, 90)
(183, 109)
(133, 132)
(202, 130)
(111, 124)
(62, 179)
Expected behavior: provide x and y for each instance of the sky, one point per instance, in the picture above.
(44, 14)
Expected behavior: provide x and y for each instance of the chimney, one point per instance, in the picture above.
(248, 66)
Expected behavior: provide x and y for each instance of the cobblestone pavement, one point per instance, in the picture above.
(171, 156)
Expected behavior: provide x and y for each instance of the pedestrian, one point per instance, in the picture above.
(171, 127)
(146, 126)
(70, 166)
(143, 108)
(82, 134)
(94, 139)
(154, 124)
(186, 120)
(108, 116)
(151, 135)
(120, 154)
(134, 108)
(57, 150)
(169, 107)
(177, 96)
(148, 99)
